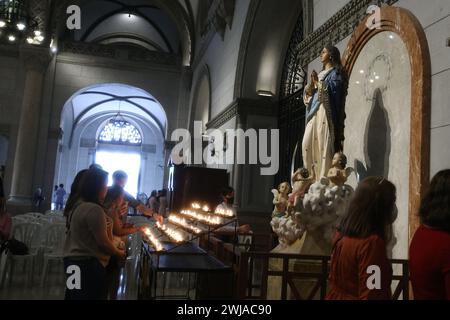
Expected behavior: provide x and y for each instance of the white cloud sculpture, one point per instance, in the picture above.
(322, 207)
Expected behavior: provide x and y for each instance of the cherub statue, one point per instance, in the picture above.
(280, 199)
(338, 173)
(301, 181)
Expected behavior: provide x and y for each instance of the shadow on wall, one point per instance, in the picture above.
(377, 140)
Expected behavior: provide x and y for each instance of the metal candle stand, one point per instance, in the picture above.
(184, 257)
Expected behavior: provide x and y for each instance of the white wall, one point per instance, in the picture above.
(222, 59)
(434, 17)
(325, 9)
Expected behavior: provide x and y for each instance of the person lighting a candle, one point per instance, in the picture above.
(120, 179)
(227, 205)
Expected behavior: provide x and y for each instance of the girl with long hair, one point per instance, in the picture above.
(89, 244)
(360, 246)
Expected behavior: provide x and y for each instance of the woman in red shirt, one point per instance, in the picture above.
(429, 254)
(5, 221)
(360, 269)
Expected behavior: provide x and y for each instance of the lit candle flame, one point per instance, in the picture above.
(183, 222)
(153, 240)
(205, 208)
(224, 213)
(202, 217)
(170, 232)
(196, 206)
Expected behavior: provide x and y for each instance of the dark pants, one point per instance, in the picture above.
(92, 278)
(113, 277)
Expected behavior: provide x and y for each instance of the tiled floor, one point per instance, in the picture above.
(53, 289)
(54, 286)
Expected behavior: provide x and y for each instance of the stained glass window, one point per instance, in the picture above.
(120, 132)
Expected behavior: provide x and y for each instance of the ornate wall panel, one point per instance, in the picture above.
(404, 25)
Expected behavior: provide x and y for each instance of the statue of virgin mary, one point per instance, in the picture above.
(324, 98)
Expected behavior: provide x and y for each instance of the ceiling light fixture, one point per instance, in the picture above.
(16, 23)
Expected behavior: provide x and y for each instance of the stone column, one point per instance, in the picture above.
(238, 168)
(35, 61)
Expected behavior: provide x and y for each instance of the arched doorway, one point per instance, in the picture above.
(118, 148)
(117, 126)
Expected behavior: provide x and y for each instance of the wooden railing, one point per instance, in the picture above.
(248, 284)
(252, 270)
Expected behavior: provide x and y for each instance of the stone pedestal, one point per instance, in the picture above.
(35, 62)
(274, 283)
(312, 243)
(317, 245)
(305, 287)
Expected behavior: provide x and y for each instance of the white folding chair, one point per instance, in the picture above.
(54, 213)
(35, 215)
(58, 219)
(131, 274)
(28, 233)
(18, 219)
(53, 248)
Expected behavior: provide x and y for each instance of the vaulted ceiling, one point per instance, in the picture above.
(156, 25)
(128, 24)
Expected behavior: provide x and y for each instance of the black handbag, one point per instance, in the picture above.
(14, 246)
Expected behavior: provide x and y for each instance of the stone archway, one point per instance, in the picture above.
(89, 111)
(404, 24)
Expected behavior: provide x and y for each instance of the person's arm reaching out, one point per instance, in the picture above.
(148, 212)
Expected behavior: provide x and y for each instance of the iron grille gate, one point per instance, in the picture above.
(291, 121)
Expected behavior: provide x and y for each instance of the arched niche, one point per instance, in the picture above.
(263, 50)
(397, 24)
(201, 102)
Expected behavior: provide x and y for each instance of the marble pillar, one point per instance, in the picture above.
(35, 61)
